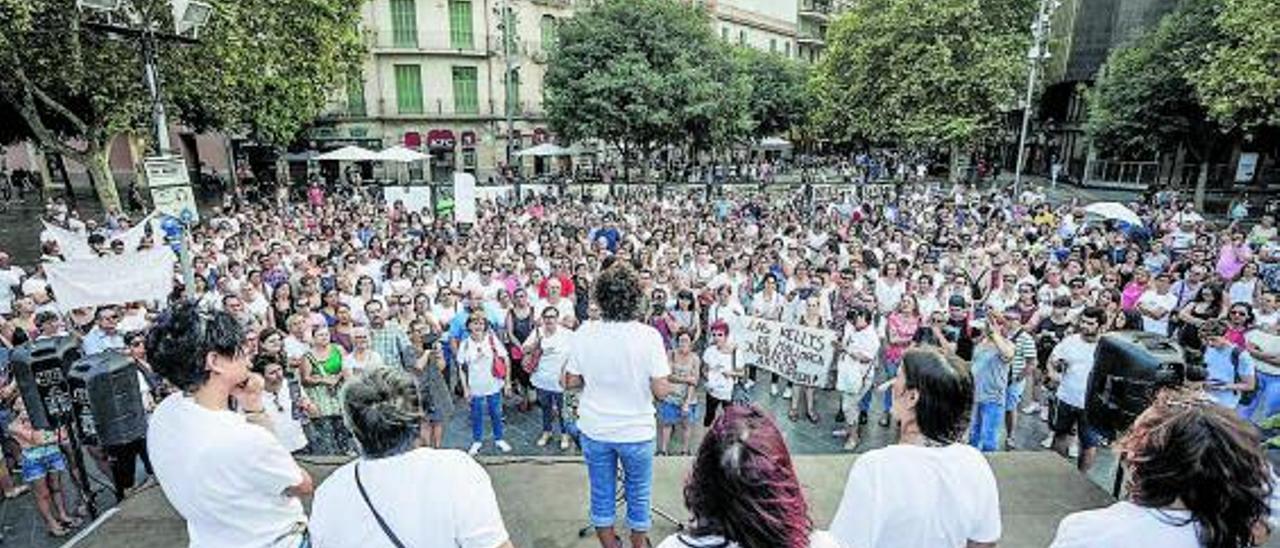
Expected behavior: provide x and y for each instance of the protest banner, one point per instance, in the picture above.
(114, 279)
(803, 355)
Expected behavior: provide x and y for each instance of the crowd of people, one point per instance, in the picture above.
(999, 301)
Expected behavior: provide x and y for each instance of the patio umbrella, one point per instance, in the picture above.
(400, 154)
(350, 153)
(544, 150)
(1114, 211)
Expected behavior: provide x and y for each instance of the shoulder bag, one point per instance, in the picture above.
(499, 361)
(391, 535)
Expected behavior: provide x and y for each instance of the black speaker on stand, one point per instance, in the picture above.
(1129, 369)
(40, 368)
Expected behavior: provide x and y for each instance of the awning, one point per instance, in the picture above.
(350, 154)
(401, 155)
(773, 143)
(544, 150)
(440, 139)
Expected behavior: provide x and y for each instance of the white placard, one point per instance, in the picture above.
(803, 355)
(464, 198)
(415, 198)
(1246, 167)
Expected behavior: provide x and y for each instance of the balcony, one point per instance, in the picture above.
(818, 10)
(434, 43)
(811, 38)
(441, 110)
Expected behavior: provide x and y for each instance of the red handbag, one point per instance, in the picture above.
(499, 361)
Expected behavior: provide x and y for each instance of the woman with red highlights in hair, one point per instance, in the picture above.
(743, 491)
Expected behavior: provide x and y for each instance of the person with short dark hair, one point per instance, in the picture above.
(743, 491)
(221, 469)
(622, 366)
(1070, 364)
(398, 493)
(929, 472)
(1196, 476)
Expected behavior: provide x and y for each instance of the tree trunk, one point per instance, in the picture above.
(1202, 183)
(36, 156)
(98, 164)
(137, 155)
(956, 176)
(1179, 164)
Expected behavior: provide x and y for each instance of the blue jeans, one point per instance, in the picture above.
(479, 404)
(551, 404)
(987, 418)
(1268, 398)
(890, 371)
(603, 459)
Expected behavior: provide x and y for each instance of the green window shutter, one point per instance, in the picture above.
(404, 23)
(548, 30)
(461, 35)
(355, 95)
(409, 89)
(465, 96)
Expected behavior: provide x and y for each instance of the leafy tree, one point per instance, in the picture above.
(922, 71)
(638, 74)
(780, 94)
(1144, 101)
(261, 65)
(1240, 81)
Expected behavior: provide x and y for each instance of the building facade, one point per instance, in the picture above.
(435, 80)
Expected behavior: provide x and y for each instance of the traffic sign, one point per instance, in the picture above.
(171, 187)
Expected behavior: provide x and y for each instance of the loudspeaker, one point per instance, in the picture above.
(40, 368)
(1129, 368)
(107, 399)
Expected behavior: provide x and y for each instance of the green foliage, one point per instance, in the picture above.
(1144, 101)
(1239, 81)
(922, 71)
(266, 67)
(632, 72)
(780, 95)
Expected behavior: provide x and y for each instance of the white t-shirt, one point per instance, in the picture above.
(228, 481)
(278, 406)
(817, 539)
(555, 352)
(718, 364)
(908, 496)
(617, 361)
(1267, 343)
(427, 497)
(477, 357)
(852, 376)
(1079, 357)
(1125, 525)
(10, 279)
(1167, 302)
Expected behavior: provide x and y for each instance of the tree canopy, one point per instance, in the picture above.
(261, 66)
(1239, 82)
(922, 71)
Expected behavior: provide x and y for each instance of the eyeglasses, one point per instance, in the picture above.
(549, 318)
(1238, 313)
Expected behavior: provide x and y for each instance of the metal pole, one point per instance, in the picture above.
(509, 63)
(161, 126)
(1038, 31)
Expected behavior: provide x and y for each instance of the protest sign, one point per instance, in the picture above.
(802, 355)
(114, 279)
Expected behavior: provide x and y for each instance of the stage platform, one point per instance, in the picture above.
(544, 500)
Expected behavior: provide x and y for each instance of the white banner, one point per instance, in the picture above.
(114, 279)
(803, 355)
(75, 245)
(464, 198)
(415, 198)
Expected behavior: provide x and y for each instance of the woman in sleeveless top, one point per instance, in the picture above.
(521, 320)
(812, 317)
(680, 407)
(323, 372)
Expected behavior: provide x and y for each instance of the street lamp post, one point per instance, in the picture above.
(1040, 28)
(505, 20)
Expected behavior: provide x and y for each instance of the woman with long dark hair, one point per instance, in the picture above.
(929, 473)
(743, 491)
(1196, 477)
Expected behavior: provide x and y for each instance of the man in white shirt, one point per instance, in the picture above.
(10, 280)
(1156, 305)
(1069, 365)
(622, 366)
(222, 470)
(104, 335)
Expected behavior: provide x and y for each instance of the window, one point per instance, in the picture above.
(409, 89)
(355, 95)
(724, 33)
(461, 34)
(513, 92)
(465, 97)
(547, 26)
(773, 45)
(786, 48)
(742, 37)
(404, 23)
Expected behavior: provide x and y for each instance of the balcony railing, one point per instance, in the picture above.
(441, 109)
(433, 42)
(817, 9)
